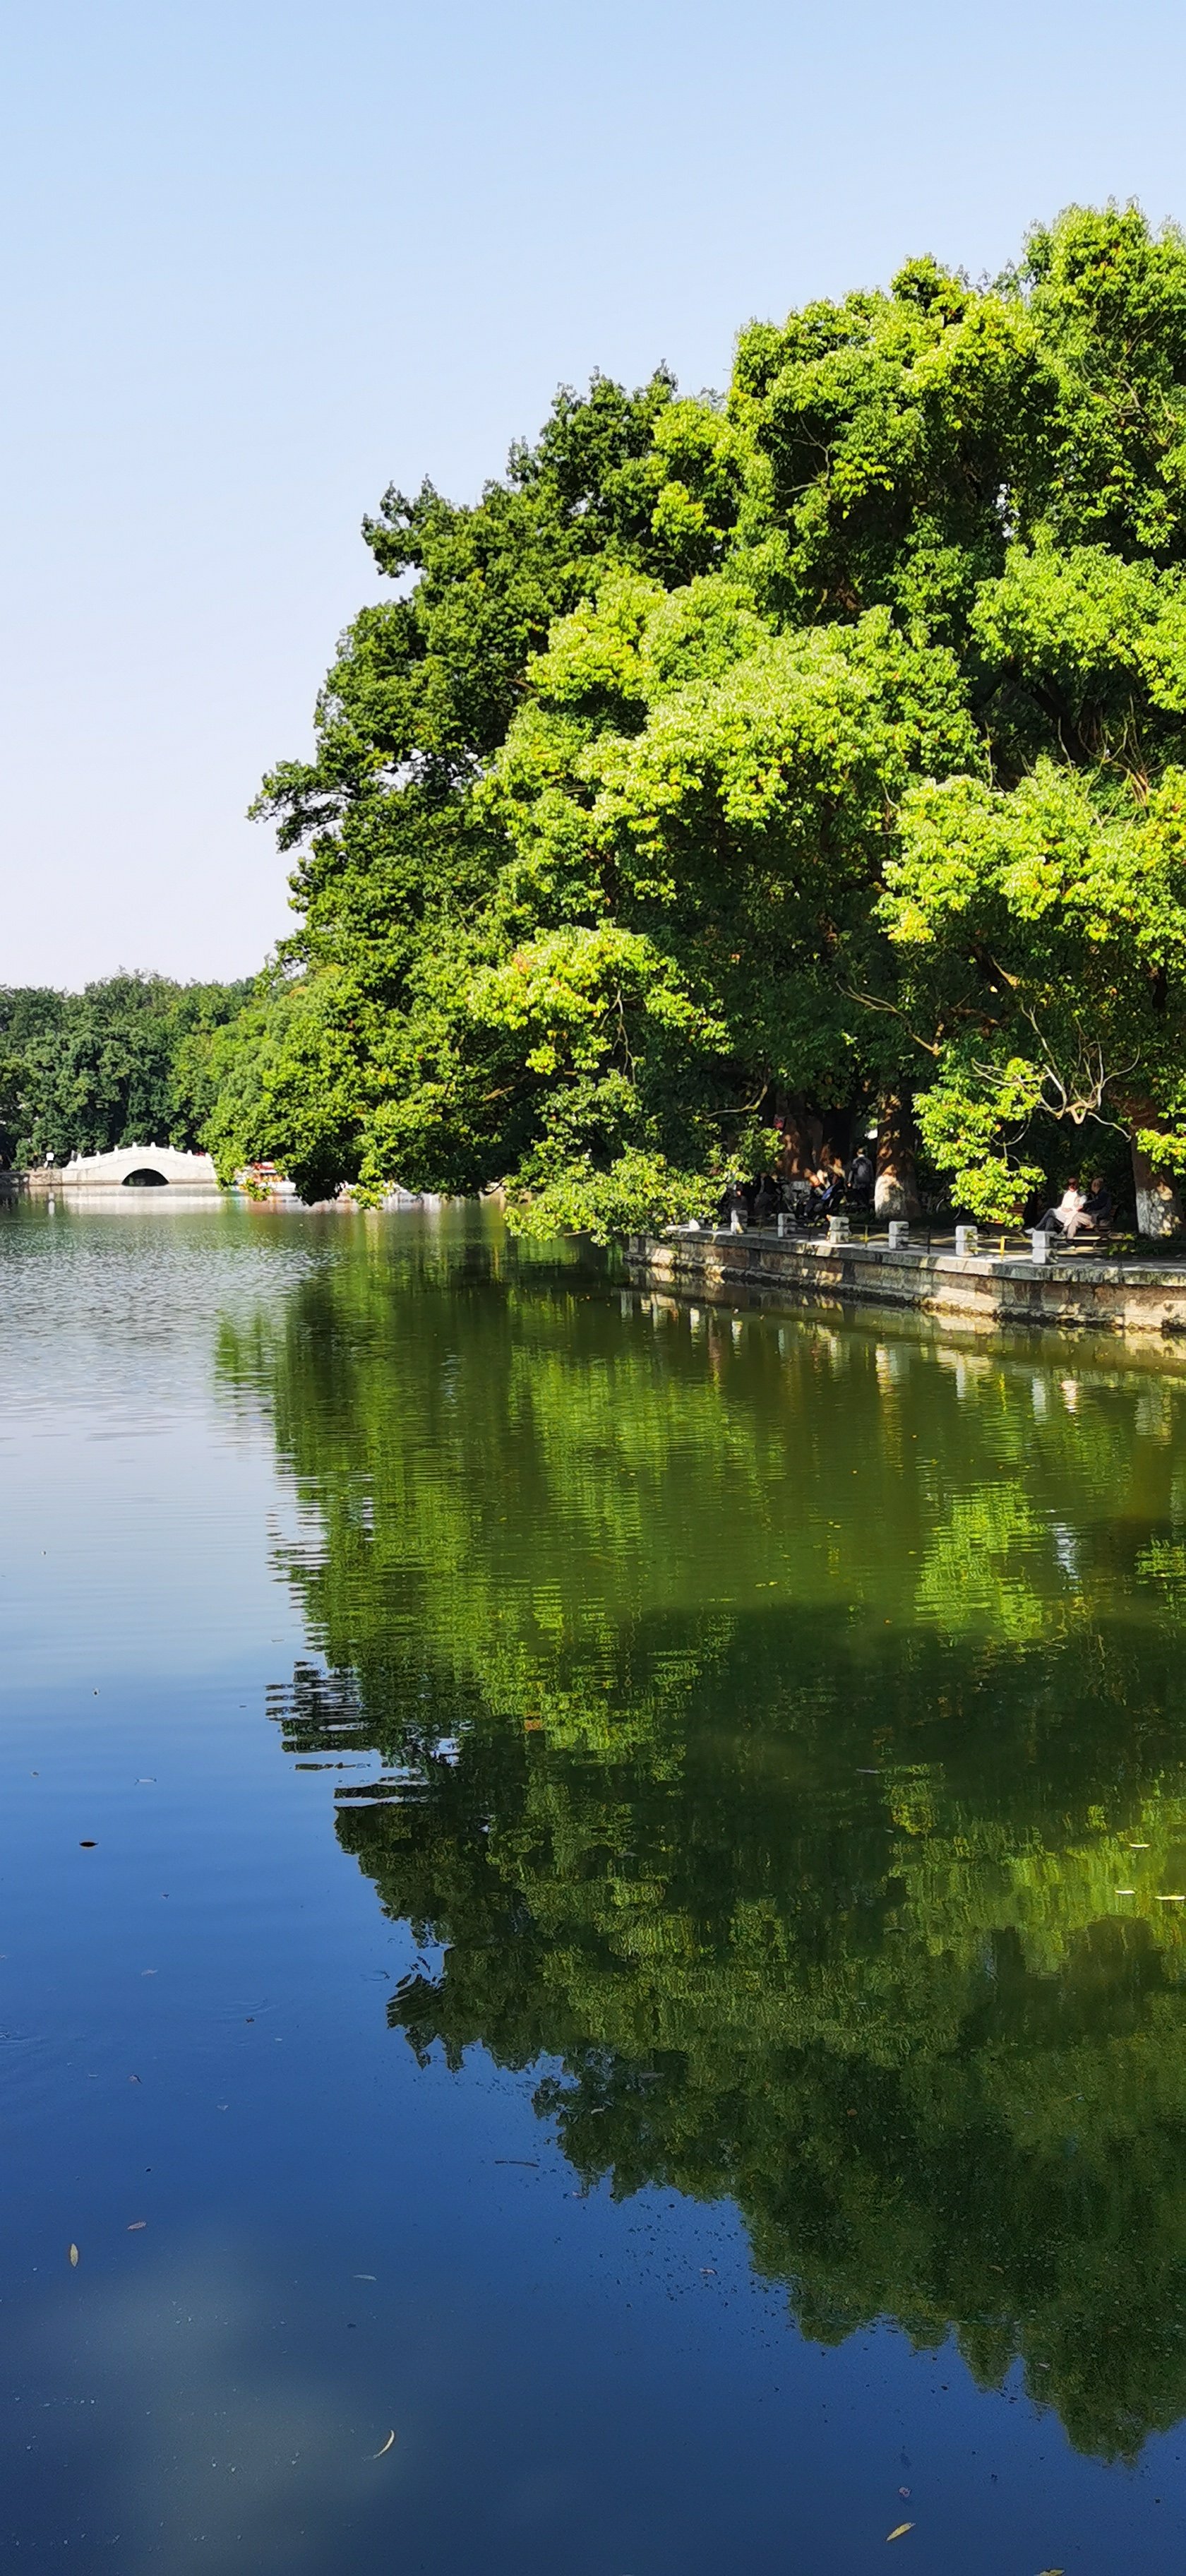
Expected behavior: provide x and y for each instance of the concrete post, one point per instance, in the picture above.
(899, 1234)
(736, 1222)
(1039, 1244)
(966, 1241)
(838, 1229)
(782, 1227)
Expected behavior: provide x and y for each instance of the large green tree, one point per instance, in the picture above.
(705, 766)
(360, 1060)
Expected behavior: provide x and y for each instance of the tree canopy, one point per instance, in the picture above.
(823, 744)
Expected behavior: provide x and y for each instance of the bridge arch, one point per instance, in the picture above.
(138, 1167)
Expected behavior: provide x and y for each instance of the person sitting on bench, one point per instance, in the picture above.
(827, 1190)
(1067, 1217)
(1099, 1207)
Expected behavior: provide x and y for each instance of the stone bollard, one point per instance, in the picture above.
(838, 1229)
(782, 1227)
(899, 1233)
(736, 1222)
(966, 1241)
(1039, 1244)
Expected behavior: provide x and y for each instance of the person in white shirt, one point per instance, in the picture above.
(1067, 1217)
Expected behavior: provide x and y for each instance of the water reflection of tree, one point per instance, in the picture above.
(765, 1742)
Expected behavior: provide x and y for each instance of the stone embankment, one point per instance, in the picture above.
(975, 1287)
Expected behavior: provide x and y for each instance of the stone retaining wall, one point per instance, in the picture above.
(980, 1291)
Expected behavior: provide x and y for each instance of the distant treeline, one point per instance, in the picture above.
(127, 1062)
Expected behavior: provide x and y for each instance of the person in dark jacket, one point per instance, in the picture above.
(733, 1208)
(1099, 1206)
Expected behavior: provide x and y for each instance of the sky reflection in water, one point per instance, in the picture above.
(684, 1956)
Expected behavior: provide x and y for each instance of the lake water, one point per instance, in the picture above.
(595, 1886)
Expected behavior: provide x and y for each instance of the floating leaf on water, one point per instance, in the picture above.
(899, 2530)
(74, 2257)
(378, 2455)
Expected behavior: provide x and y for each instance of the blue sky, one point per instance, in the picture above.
(259, 260)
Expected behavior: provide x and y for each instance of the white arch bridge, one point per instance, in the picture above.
(145, 1167)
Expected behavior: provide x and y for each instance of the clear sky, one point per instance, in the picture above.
(262, 257)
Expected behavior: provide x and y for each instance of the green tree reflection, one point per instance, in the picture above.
(770, 1720)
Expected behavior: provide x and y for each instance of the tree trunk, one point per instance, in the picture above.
(1159, 1205)
(802, 1144)
(896, 1191)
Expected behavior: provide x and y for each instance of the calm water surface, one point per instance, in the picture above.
(596, 1886)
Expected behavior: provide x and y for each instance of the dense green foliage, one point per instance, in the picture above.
(768, 1717)
(823, 746)
(127, 1062)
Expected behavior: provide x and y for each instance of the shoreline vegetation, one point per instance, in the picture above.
(740, 771)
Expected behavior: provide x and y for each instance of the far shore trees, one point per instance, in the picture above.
(127, 1062)
(734, 763)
